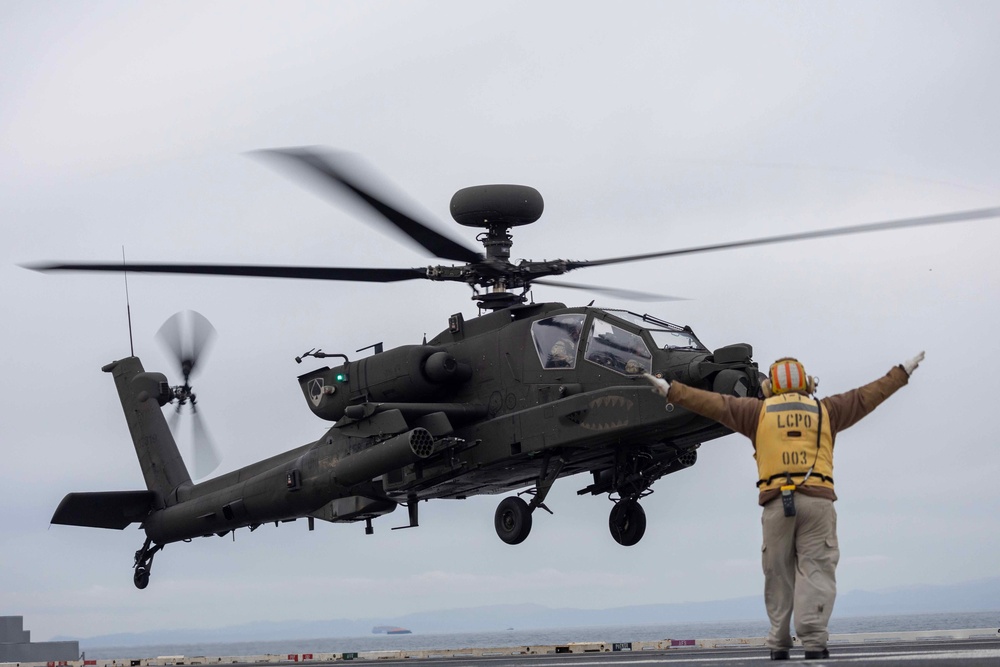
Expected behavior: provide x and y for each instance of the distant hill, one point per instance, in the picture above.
(973, 596)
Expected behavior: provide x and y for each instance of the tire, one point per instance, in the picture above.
(141, 578)
(512, 520)
(627, 522)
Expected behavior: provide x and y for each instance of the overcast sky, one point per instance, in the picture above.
(645, 126)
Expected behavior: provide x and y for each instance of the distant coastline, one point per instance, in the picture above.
(968, 597)
(542, 637)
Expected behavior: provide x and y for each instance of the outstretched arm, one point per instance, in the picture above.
(849, 408)
(738, 414)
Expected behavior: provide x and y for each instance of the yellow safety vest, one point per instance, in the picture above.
(787, 442)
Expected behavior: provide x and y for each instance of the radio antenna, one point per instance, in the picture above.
(128, 307)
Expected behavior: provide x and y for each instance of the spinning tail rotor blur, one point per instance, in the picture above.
(187, 335)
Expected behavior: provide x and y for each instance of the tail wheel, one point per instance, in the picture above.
(512, 520)
(627, 522)
(141, 577)
(144, 563)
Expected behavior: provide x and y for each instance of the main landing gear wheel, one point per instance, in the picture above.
(512, 520)
(627, 522)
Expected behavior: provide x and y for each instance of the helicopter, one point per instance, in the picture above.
(509, 401)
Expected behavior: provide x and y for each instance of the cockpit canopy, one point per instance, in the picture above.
(666, 336)
(620, 343)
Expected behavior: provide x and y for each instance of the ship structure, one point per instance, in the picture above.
(16, 645)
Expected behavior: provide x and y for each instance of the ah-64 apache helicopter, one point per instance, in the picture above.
(516, 398)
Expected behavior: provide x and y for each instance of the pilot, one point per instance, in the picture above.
(793, 435)
(563, 352)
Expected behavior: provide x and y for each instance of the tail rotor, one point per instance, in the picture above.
(187, 335)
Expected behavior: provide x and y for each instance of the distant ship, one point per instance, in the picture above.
(389, 630)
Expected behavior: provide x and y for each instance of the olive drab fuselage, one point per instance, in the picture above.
(482, 408)
(794, 437)
(492, 383)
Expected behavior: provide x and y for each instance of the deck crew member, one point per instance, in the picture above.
(793, 435)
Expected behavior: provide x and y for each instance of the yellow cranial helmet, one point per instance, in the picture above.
(788, 375)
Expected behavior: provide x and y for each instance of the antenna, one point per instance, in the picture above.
(128, 307)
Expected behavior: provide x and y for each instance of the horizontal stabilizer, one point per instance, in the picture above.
(104, 509)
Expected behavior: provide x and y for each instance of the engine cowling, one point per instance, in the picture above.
(412, 373)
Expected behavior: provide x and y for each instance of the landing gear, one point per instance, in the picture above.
(629, 480)
(144, 563)
(627, 522)
(140, 578)
(512, 520)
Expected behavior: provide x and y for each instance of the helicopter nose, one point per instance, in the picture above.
(728, 370)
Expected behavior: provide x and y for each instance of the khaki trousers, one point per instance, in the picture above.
(799, 557)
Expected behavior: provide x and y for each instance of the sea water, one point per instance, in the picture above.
(544, 637)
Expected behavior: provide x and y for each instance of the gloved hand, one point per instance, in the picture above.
(911, 364)
(660, 386)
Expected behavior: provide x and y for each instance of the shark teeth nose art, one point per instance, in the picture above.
(604, 413)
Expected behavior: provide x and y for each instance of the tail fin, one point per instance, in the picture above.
(142, 394)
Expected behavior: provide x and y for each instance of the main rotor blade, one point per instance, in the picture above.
(611, 291)
(960, 216)
(334, 169)
(374, 275)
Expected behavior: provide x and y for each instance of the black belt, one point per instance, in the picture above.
(781, 475)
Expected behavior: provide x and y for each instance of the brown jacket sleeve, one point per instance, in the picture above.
(743, 414)
(848, 408)
(739, 414)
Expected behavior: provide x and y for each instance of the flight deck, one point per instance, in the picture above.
(976, 647)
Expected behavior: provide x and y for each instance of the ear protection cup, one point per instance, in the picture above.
(765, 388)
